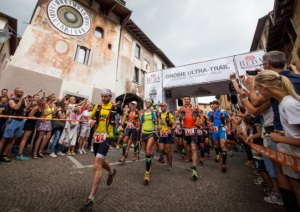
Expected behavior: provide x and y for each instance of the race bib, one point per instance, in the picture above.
(177, 132)
(205, 132)
(199, 132)
(215, 129)
(164, 134)
(189, 132)
(226, 128)
(100, 137)
(130, 125)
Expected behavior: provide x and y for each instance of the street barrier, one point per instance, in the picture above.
(288, 160)
(34, 118)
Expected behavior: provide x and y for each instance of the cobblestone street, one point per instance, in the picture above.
(57, 184)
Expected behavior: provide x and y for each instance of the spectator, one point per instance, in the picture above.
(4, 92)
(14, 127)
(3, 103)
(85, 129)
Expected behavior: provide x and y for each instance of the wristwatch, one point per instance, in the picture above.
(244, 100)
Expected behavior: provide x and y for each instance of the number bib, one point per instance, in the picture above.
(130, 125)
(215, 129)
(164, 134)
(199, 132)
(100, 137)
(189, 132)
(177, 132)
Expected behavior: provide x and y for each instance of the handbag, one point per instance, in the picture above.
(57, 124)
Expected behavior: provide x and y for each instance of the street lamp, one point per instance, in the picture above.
(4, 36)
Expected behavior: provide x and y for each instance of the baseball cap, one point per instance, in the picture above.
(134, 103)
(163, 104)
(215, 102)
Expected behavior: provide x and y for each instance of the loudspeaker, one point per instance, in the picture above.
(180, 102)
(231, 87)
(234, 99)
(168, 94)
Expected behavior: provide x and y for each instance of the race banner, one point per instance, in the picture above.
(153, 87)
(204, 72)
(249, 61)
(288, 160)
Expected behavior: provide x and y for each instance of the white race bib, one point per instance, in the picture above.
(189, 132)
(215, 129)
(164, 134)
(130, 125)
(177, 132)
(199, 132)
(99, 137)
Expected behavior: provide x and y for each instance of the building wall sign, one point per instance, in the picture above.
(69, 17)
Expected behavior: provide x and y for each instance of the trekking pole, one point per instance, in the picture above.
(124, 96)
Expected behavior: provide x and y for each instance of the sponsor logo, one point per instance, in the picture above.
(267, 151)
(273, 154)
(249, 58)
(280, 156)
(153, 75)
(289, 160)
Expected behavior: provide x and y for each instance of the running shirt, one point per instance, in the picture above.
(188, 121)
(132, 120)
(103, 122)
(204, 118)
(87, 114)
(171, 120)
(148, 123)
(217, 117)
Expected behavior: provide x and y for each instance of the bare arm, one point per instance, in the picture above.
(255, 136)
(33, 111)
(15, 106)
(81, 103)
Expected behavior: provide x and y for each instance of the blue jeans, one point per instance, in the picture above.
(57, 133)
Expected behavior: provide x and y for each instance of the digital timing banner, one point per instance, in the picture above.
(249, 61)
(153, 87)
(205, 72)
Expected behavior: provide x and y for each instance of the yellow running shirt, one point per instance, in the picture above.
(171, 120)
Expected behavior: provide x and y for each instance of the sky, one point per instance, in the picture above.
(186, 31)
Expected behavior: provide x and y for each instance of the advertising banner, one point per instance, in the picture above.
(153, 87)
(249, 61)
(204, 72)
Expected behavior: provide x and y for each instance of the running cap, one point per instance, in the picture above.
(134, 103)
(106, 91)
(215, 102)
(163, 104)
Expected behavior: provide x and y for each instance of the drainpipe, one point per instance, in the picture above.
(119, 52)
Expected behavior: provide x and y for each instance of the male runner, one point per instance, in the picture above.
(167, 126)
(189, 116)
(204, 144)
(217, 119)
(103, 137)
(178, 134)
(131, 118)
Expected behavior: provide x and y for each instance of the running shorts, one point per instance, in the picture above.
(133, 132)
(190, 139)
(101, 149)
(219, 135)
(166, 140)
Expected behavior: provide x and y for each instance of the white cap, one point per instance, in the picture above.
(134, 103)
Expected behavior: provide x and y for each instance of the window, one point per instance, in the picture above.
(204, 106)
(109, 46)
(136, 75)
(137, 51)
(82, 55)
(163, 66)
(99, 32)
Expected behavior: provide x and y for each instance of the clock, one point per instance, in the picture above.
(69, 17)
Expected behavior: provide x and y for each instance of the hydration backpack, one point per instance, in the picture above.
(167, 119)
(222, 118)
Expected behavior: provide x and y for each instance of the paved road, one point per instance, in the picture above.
(57, 184)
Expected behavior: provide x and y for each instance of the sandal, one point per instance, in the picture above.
(34, 156)
(40, 155)
(69, 153)
(73, 153)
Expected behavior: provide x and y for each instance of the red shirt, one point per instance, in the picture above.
(189, 121)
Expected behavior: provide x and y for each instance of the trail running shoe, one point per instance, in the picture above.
(252, 166)
(88, 206)
(4, 158)
(163, 160)
(118, 147)
(217, 159)
(122, 160)
(146, 179)
(182, 157)
(194, 175)
(255, 172)
(134, 157)
(183, 151)
(187, 160)
(14, 150)
(111, 177)
(21, 157)
(25, 152)
(272, 199)
(126, 154)
(152, 154)
(191, 166)
(224, 168)
(201, 161)
(170, 168)
(160, 159)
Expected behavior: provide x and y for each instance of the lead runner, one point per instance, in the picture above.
(103, 137)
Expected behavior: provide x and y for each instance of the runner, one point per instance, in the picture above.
(103, 136)
(217, 119)
(167, 126)
(204, 144)
(189, 116)
(148, 118)
(178, 134)
(131, 118)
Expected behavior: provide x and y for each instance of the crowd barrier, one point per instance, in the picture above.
(34, 118)
(288, 160)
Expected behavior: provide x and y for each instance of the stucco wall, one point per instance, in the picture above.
(5, 52)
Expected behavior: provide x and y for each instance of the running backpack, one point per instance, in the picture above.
(183, 114)
(153, 118)
(111, 118)
(222, 118)
(136, 116)
(167, 119)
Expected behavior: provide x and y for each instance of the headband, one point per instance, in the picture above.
(149, 100)
(106, 92)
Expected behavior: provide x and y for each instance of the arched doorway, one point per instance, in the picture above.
(129, 98)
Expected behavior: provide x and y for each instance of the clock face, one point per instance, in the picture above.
(69, 17)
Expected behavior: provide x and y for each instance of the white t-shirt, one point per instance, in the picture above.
(85, 113)
(289, 110)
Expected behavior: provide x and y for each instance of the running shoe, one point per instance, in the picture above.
(152, 154)
(247, 164)
(3, 158)
(194, 175)
(183, 151)
(126, 154)
(146, 179)
(14, 150)
(230, 154)
(217, 159)
(60, 154)
(191, 166)
(25, 152)
(84, 152)
(160, 159)
(156, 150)
(111, 177)
(150, 170)
(241, 149)
(170, 168)
(92, 150)
(272, 199)
(255, 172)
(134, 157)
(80, 152)
(88, 206)
(182, 157)
(176, 150)
(122, 160)
(187, 160)
(163, 160)
(201, 161)
(21, 157)
(118, 147)
(53, 155)
(268, 193)
(252, 166)
(224, 168)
